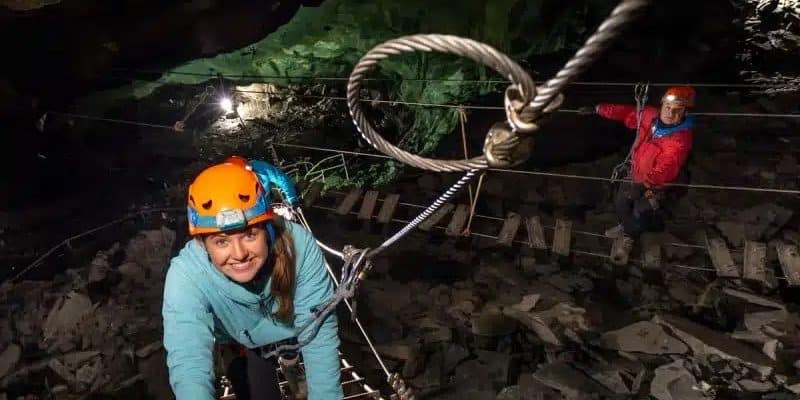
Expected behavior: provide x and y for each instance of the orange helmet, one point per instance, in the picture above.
(680, 94)
(237, 160)
(224, 197)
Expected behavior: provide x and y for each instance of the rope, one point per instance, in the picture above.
(570, 176)
(114, 120)
(599, 41)
(588, 253)
(67, 241)
(474, 50)
(640, 96)
(425, 213)
(462, 119)
(548, 227)
(474, 107)
(305, 224)
(792, 85)
(472, 205)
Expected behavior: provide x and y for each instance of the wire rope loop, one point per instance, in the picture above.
(449, 44)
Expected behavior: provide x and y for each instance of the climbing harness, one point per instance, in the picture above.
(623, 169)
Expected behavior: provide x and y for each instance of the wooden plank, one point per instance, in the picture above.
(456, 225)
(349, 201)
(509, 230)
(368, 206)
(562, 237)
(619, 252)
(436, 217)
(535, 233)
(312, 195)
(651, 251)
(790, 262)
(721, 258)
(388, 207)
(755, 264)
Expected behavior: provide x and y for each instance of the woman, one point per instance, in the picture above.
(249, 277)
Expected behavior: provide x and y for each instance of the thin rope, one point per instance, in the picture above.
(305, 223)
(474, 202)
(571, 176)
(548, 227)
(67, 241)
(793, 85)
(462, 118)
(525, 242)
(474, 107)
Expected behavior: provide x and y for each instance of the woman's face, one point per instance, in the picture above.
(238, 254)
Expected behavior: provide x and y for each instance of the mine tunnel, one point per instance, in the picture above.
(639, 241)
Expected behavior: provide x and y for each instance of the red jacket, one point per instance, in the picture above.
(656, 160)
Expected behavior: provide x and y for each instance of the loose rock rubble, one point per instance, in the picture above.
(91, 329)
(582, 333)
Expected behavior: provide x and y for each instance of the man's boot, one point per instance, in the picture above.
(621, 249)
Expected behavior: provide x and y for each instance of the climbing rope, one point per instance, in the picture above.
(624, 168)
(523, 104)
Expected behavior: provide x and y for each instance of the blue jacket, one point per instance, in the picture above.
(200, 302)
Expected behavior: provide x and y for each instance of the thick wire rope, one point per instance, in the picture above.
(489, 56)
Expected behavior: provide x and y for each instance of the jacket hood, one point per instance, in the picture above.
(198, 258)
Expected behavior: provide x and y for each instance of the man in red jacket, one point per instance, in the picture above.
(662, 146)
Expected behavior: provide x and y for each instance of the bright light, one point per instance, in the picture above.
(226, 104)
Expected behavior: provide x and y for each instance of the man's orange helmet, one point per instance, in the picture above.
(680, 94)
(225, 197)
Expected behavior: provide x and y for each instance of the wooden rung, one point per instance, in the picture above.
(349, 201)
(619, 254)
(388, 207)
(368, 205)
(436, 217)
(456, 225)
(755, 264)
(790, 262)
(509, 230)
(562, 237)
(312, 195)
(651, 251)
(721, 258)
(535, 233)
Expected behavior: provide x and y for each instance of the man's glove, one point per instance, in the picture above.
(587, 110)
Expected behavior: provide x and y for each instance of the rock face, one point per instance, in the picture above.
(91, 346)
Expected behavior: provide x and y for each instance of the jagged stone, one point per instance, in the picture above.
(151, 249)
(492, 323)
(750, 385)
(571, 382)
(764, 220)
(704, 341)
(673, 381)
(65, 315)
(148, 349)
(9, 358)
(496, 365)
(733, 232)
(528, 302)
(510, 393)
(74, 360)
(643, 337)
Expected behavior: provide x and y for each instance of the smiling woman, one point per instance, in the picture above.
(249, 276)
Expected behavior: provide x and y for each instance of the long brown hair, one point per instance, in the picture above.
(283, 272)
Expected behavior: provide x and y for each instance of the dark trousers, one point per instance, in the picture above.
(634, 211)
(254, 377)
